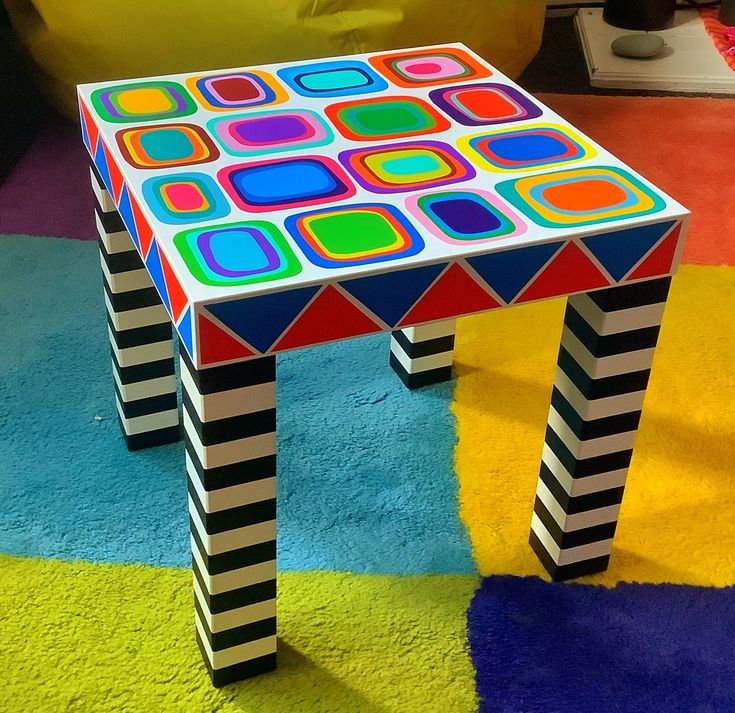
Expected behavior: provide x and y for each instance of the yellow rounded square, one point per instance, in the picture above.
(410, 158)
(145, 100)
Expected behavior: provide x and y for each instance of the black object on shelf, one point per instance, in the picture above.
(727, 13)
(640, 14)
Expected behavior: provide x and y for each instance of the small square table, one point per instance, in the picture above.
(266, 209)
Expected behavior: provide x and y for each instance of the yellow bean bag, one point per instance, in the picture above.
(75, 41)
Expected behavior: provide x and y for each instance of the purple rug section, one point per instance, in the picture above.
(48, 192)
(539, 647)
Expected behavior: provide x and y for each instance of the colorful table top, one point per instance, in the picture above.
(239, 183)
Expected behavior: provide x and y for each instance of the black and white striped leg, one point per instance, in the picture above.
(604, 363)
(423, 355)
(140, 335)
(230, 433)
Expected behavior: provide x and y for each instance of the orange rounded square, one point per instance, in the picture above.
(589, 194)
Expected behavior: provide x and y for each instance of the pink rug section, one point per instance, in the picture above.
(722, 35)
(48, 192)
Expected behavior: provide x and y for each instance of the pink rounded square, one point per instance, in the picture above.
(430, 68)
(413, 208)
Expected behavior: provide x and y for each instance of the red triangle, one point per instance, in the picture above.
(454, 293)
(145, 233)
(115, 176)
(570, 271)
(176, 295)
(215, 345)
(659, 260)
(92, 131)
(330, 316)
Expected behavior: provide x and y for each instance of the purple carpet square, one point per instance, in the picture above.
(539, 647)
(48, 191)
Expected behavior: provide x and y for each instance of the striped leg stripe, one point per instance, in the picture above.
(423, 355)
(104, 199)
(230, 429)
(604, 363)
(140, 335)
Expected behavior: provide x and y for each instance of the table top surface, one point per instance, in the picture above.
(265, 179)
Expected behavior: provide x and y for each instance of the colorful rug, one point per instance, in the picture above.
(722, 35)
(407, 583)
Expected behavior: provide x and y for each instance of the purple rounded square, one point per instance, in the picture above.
(352, 160)
(484, 104)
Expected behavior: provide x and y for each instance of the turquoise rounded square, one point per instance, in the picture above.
(632, 204)
(240, 253)
(167, 145)
(338, 78)
(173, 198)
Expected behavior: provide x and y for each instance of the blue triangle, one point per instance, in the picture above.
(508, 272)
(126, 213)
(620, 251)
(261, 320)
(392, 294)
(85, 135)
(153, 263)
(101, 163)
(185, 333)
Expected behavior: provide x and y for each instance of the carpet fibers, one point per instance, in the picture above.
(407, 582)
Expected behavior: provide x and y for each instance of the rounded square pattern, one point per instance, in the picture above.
(286, 183)
(581, 196)
(142, 101)
(359, 234)
(269, 132)
(183, 198)
(429, 67)
(525, 149)
(388, 117)
(345, 133)
(460, 217)
(236, 90)
(166, 146)
(394, 168)
(332, 79)
(237, 253)
(485, 104)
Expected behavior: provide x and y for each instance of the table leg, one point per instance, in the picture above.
(140, 334)
(604, 363)
(423, 355)
(229, 427)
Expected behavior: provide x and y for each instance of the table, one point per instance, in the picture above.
(267, 209)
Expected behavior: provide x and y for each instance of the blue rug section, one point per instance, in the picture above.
(366, 481)
(539, 647)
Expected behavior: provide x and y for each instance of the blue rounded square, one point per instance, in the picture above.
(532, 147)
(288, 182)
(332, 79)
(465, 215)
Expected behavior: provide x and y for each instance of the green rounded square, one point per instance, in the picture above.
(353, 232)
(165, 100)
(384, 118)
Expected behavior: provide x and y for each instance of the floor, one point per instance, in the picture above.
(560, 67)
(689, 61)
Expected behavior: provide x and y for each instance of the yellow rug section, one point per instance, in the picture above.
(80, 637)
(677, 522)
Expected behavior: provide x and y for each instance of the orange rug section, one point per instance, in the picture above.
(683, 145)
(718, 32)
